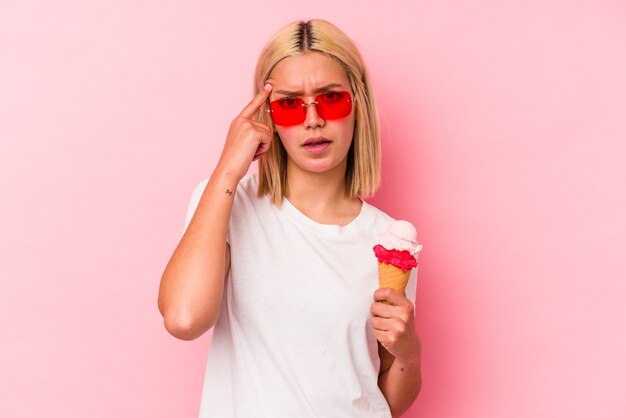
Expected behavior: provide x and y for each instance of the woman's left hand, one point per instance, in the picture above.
(394, 325)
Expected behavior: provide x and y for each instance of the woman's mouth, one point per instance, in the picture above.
(316, 145)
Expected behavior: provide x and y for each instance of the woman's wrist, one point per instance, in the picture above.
(410, 362)
(226, 174)
(414, 359)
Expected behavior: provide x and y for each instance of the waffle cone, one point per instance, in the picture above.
(393, 277)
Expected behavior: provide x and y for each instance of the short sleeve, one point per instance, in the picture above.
(193, 203)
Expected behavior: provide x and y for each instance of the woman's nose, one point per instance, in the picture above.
(312, 117)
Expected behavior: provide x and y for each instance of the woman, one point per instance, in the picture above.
(281, 262)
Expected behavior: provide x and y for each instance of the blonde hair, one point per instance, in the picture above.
(317, 35)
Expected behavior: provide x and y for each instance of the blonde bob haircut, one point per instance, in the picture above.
(363, 165)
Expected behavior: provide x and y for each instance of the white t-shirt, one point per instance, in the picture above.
(294, 337)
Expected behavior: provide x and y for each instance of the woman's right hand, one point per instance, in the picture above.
(247, 139)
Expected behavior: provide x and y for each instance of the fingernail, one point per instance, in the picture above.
(268, 86)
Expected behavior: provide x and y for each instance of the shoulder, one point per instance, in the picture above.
(200, 186)
(249, 184)
(246, 196)
(380, 217)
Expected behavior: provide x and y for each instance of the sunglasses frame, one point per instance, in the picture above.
(351, 99)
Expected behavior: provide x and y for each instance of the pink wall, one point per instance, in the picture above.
(504, 142)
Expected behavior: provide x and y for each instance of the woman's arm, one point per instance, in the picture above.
(400, 382)
(193, 282)
(399, 349)
(192, 285)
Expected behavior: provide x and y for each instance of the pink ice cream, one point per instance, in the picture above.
(398, 245)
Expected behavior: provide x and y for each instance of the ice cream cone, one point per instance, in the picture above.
(393, 277)
(396, 253)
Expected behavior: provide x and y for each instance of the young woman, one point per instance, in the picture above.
(280, 263)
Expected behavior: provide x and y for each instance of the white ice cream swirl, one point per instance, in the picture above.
(400, 235)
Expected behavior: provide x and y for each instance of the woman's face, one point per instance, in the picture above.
(303, 76)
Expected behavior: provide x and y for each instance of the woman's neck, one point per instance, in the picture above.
(321, 195)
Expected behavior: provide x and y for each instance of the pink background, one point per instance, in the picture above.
(504, 142)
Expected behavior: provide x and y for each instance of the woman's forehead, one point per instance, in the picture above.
(307, 73)
(313, 90)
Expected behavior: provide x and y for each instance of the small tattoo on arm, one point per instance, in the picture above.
(228, 192)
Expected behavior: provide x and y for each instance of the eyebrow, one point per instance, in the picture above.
(299, 93)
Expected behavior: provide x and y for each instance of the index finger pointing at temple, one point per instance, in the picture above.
(256, 102)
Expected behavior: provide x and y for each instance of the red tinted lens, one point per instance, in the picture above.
(289, 111)
(334, 104)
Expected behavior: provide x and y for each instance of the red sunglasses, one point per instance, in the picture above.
(289, 111)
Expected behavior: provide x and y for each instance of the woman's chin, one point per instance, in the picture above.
(316, 165)
(320, 165)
